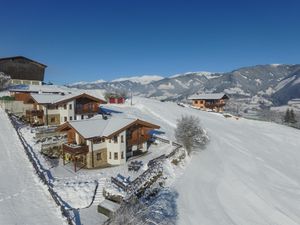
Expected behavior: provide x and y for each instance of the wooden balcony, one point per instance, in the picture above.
(214, 105)
(74, 149)
(86, 110)
(136, 141)
(34, 112)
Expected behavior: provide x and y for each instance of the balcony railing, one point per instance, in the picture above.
(34, 112)
(214, 105)
(75, 149)
(86, 110)
(137, 141)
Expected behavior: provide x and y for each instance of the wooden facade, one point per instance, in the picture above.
(205, 103)
(23, 69)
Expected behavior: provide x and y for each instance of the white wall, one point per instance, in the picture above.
(67, 112)
(116, 148)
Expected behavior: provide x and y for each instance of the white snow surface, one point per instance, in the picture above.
(248, 174)
(23, 198)
(146, 79)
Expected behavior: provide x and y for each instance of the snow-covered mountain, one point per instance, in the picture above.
(145, 79)
(277, 83)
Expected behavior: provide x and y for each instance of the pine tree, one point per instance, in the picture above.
(287, 116)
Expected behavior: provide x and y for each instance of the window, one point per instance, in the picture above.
(82, 117)
(65, 119)
(99, 156)
(196, 102)
(116, 139)
(122, 155)
(71, 118)
(52, 119)
(122, 139)
(70, 107)
(201, 102)
(109, 155)
(115, 156)
(65, 106)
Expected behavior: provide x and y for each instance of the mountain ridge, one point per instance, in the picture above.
(244, 82)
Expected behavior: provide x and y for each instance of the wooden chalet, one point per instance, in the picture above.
(55, 109)
(214, 101)
(100, 142)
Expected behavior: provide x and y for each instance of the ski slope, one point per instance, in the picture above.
(249, 173)
(23, 199)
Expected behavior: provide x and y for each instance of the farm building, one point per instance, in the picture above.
(23, 70)
(214, 101)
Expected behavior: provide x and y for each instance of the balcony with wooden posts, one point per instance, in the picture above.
(77, 155)
(139, 140)
(87, 108)
(212, 105)
(75, 149)
(34, 112)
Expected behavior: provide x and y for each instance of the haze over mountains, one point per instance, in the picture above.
(275, 84)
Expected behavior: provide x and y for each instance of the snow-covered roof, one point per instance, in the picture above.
(50, 98)
(207, 96)
(99, 127)
(110, 205)
(58, 98)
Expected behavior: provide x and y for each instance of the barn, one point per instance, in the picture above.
(23, 70)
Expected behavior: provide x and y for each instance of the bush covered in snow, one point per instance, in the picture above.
(190, 134)
(4, 81)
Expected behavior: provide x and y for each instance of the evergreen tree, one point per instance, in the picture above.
(287, 116)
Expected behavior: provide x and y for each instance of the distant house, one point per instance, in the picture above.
(55, 109)
(101, 142)
(23, 70)
(116, 100)
(214, 101)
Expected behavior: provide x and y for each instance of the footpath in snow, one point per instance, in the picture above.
(23, 198)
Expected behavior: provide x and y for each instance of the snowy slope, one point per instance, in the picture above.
(249, 173)
(23, 198)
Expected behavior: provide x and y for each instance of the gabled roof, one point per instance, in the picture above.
(60, 99)
(22, 57)
(212, 96)
(98, 127)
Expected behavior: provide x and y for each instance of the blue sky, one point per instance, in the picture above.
(91, 40)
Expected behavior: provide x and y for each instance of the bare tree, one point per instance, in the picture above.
(190, 134)
(4, 81)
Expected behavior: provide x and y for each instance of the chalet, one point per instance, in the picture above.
(23, 70)
(214, 101)
(55, 109)
(101, 142)
(19, 96)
